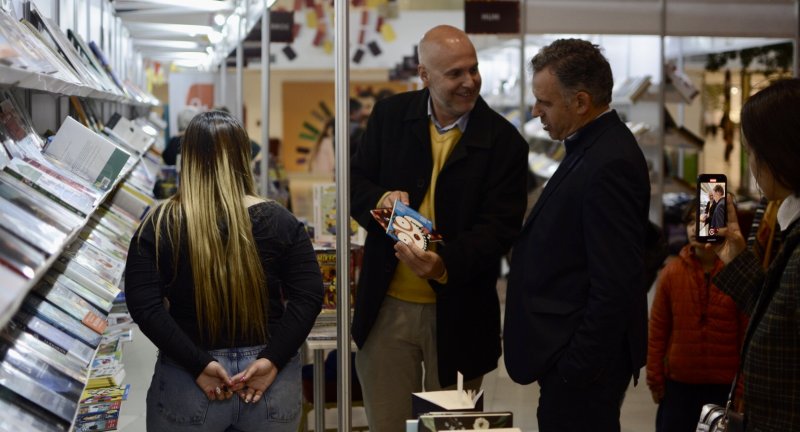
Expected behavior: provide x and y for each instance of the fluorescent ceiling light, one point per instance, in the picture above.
(197, 5)
(172, 57)
(158, 43)
(189, 63)
(152, 29)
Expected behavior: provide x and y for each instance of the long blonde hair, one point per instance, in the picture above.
(229, 281)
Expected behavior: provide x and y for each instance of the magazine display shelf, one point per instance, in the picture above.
(8, 310)
(13, 304)
(12, 77)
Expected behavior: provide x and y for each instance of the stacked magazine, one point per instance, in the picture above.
(99, 408)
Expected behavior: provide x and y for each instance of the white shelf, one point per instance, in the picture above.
(13, 77)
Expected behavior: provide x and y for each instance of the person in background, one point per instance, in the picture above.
(696, 332)
(357, 125)
(367, 100)
(445, 153)
(322, 159)
(227, 287)
(771, 298)
(576, 308)
(173, 148)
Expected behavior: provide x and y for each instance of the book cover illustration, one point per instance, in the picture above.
(324, 197)
(326, 258)
(410, 227)
(106, 394)
(99, 407)
(87, 154)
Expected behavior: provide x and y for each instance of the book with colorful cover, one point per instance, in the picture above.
(87, 154)
(407, 225)
(324, 197)
(326, 258)
(106, 376)
(103, 395)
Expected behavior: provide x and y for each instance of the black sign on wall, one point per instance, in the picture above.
(281, 24)
(491, 16)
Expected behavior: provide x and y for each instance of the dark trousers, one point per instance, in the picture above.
(679, 410)
(595, 407)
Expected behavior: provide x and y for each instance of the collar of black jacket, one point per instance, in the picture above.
(591, 129)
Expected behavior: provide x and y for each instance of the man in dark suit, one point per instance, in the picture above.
(576, 310)
(718, 215)
(447, 154)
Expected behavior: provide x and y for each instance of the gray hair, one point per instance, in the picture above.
(579, 66)
(185, 116)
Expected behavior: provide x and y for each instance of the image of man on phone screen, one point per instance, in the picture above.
(718, 216)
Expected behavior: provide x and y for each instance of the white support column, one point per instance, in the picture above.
(796, 57)
(240, 35)
(265, 66)
(342, 140)
(659, 159)
(523, 30)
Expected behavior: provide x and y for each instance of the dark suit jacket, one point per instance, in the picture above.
(718, 217)
(479, 205)
(576, 299)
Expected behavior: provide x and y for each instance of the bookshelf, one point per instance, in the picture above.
(69, 204)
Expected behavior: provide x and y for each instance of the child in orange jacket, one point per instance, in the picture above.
(695, 336)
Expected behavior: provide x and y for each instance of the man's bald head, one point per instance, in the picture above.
(440, 38)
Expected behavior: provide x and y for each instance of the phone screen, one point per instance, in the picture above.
(712, 210)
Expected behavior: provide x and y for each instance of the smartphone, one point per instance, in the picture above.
(712, 209)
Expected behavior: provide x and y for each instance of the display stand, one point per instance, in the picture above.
(90, 174)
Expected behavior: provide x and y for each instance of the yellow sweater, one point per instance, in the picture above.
(405, 285)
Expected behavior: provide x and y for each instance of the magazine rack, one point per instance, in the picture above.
(64, 218)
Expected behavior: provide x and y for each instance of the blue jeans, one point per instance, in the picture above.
(176, 403)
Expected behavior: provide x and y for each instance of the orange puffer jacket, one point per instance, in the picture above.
(696, 330)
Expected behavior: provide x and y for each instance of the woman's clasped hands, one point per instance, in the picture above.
(250, 384)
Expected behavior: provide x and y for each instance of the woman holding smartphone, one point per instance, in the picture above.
(227, 286)
(772, 297)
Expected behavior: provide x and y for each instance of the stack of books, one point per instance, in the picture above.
(99, 408)
(107, 368)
